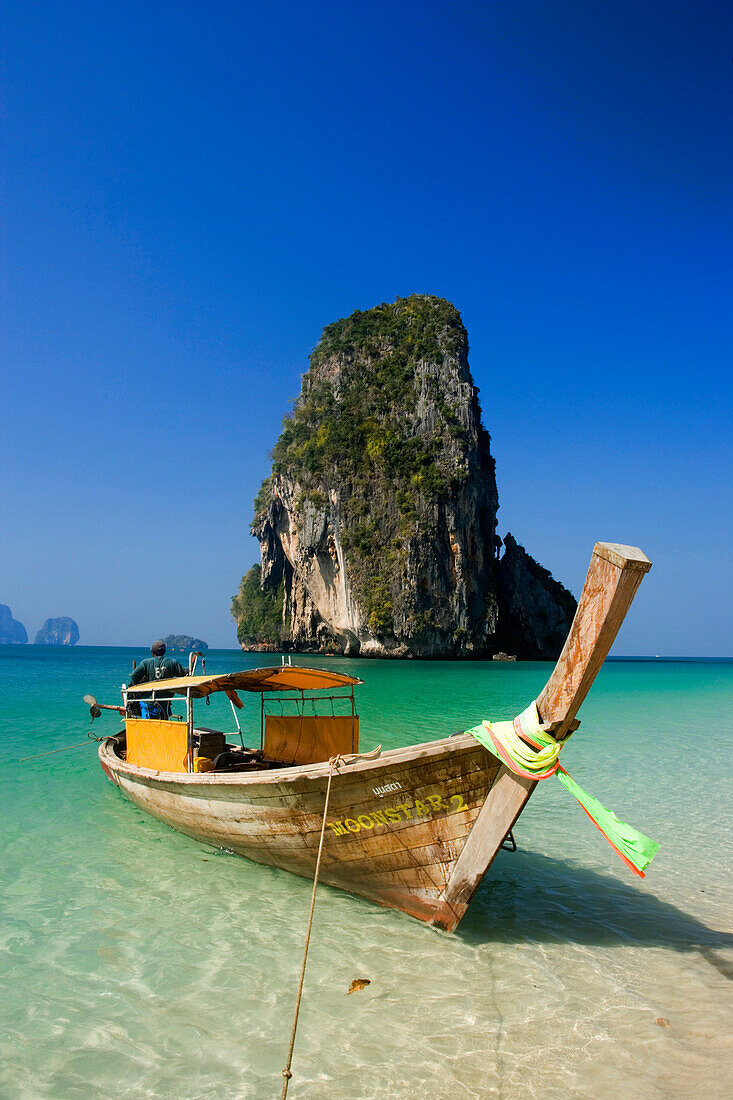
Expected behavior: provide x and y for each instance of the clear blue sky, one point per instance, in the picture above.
(191, 191)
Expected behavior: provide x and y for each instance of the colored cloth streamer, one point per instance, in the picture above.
(530, 751)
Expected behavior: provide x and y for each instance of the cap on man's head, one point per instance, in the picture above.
(158, 648)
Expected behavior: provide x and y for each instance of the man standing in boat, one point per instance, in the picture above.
(158, 667)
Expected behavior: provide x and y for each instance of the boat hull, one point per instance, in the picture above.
(398, 828)
(415, 828)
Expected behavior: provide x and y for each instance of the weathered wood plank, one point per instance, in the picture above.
(406, 855)
(614, 575)
(504, 803)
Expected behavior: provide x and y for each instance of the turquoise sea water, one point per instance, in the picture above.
(137, 963)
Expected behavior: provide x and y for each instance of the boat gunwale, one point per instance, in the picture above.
(447, 746)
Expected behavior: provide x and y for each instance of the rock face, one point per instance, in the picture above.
(534, 609)
(12, 632)
(184, 643)
(61, 631)
(377, 528)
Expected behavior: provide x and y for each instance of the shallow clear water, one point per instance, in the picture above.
(137, 963)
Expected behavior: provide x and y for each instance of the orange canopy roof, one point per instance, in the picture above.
(279, 678)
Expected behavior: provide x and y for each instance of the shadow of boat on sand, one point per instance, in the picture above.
(535, 898)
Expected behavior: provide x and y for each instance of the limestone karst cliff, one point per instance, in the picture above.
(535, 610)
(377, 527)
(12, 632)
(59, 631)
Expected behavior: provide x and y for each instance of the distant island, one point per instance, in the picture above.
(60, 631)
(12, 632)
(377, 524)
(184, 643)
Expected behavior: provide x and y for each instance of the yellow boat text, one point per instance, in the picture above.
(433, 804)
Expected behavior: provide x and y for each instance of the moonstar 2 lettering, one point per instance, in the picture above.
(405, 811)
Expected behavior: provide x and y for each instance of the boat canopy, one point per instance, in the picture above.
(279, 678)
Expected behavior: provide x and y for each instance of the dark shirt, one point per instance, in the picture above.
(157, 668)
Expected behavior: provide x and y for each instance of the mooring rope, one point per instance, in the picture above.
(38, 755)
(334, 763)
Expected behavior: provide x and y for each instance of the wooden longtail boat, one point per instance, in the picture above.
(413, 828)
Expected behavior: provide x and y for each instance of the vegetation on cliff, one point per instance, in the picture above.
(258, 611)
(185, 643)
(359, 426)
(355, 425)
(377, 525)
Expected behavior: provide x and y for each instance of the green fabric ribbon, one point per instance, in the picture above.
(637, 848)
(508, 741)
